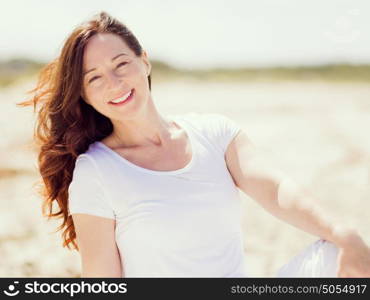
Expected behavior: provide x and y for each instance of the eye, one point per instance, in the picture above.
(94, 78)
(121, 64)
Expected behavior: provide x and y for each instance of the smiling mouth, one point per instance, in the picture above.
(126, 97)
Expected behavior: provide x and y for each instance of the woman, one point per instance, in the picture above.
(146, 195)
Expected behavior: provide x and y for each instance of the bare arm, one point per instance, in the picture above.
(96, 241)
(283, 198)
(279, 194)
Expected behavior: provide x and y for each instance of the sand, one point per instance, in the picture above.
(316, 132)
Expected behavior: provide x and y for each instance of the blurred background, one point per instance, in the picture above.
(294, 74)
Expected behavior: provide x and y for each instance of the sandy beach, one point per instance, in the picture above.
(316, 132)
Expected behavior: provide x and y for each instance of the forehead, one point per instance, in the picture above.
(104, 46)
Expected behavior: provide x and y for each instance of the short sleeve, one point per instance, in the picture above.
(222, 130)
(86, 193)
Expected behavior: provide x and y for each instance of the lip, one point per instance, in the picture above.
(123, 102)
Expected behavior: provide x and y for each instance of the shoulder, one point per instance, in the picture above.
(217, 128)
(85, 168)
(86, 192)
(89, 162)
(91, 157)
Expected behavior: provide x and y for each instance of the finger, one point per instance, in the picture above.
(342, 274)
(364, 274)
(339, 272)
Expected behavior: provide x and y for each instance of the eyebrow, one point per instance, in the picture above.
(118, 55)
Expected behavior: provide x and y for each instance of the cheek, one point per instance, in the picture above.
(94, 98)
(137, 72)
(93, 92)
(99, 106)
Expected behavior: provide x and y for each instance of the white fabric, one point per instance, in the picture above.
(318, 259)
(181, 223)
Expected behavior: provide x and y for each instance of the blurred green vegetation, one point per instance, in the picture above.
(330, 72)
(14, 70)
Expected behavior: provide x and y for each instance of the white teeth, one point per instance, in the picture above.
(124, 97)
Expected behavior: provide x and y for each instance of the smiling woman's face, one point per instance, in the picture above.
(111, 72)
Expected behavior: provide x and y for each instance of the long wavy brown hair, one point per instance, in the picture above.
(66, 125)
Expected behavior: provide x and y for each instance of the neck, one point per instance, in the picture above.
(148, 129)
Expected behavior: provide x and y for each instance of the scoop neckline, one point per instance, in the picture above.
(180, 124)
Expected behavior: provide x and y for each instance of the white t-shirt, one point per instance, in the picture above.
(180, 223)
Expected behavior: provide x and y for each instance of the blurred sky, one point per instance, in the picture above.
(196, 33)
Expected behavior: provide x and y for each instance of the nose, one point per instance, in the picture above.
(114, 81)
